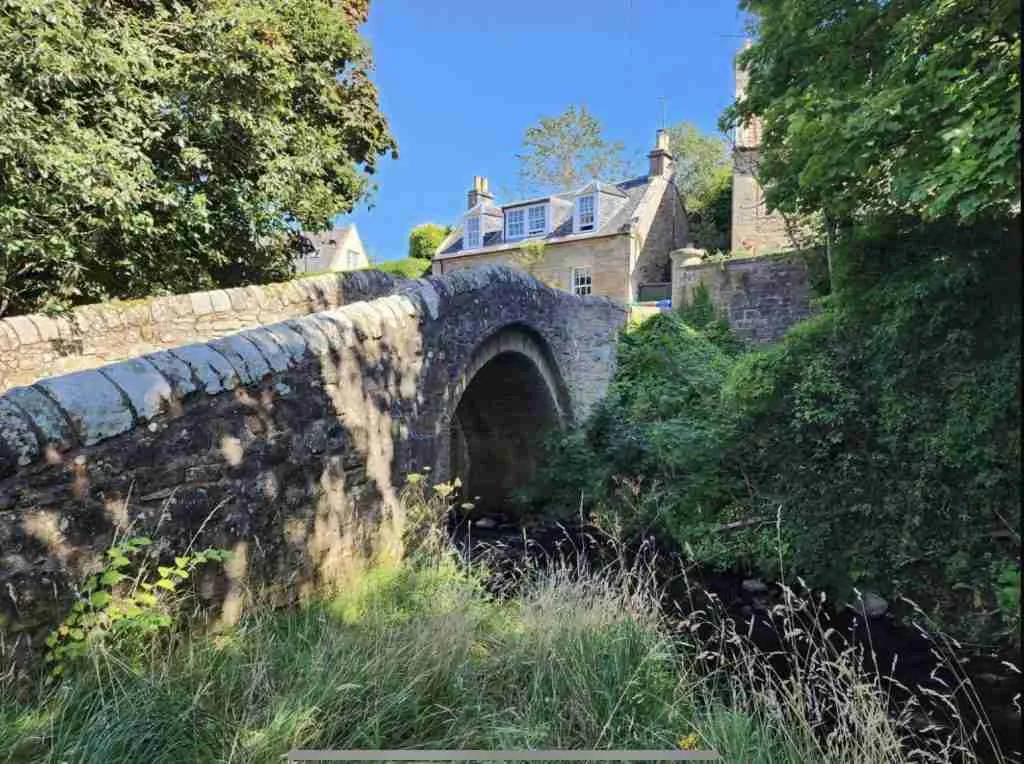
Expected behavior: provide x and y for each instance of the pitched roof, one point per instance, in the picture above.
(631, 191)
(322, 238)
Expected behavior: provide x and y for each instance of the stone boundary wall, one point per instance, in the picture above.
(37, 346)
(283, 443)
(760, 297)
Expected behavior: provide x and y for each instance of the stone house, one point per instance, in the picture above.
(610, 239)
(754, 229)
(339, 249)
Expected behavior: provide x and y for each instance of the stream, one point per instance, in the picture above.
(902, 655)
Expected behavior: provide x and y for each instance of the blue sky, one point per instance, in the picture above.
(461, 81)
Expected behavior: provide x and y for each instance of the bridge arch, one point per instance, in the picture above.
(509, 397)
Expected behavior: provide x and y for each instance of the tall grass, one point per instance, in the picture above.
(419, 655)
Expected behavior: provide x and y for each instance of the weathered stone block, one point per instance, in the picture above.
(45, 415)
(26, 331)
(220, 301)
(277, 359)
(147, 389)
(175, 371)
(211, 370)
(18, 444)
(243, 356)
(95, 407)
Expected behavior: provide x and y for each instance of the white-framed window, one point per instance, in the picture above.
(537, 220)
(471, 236)
(586, 212)
(526, 221)
(353, 258)
(515, 223)
(582, 281)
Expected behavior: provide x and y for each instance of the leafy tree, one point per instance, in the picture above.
(704, 179)
(563, 152)
(162, 147)
(425, 239)
(701, 161)
(886, 107)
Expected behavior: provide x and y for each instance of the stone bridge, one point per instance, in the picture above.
(286, 443)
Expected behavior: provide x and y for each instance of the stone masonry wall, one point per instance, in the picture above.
(761, 297)
(282, 443)
(37, 346)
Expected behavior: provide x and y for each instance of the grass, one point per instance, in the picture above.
(419, 655)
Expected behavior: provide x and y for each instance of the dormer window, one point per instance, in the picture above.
(538, 220)
(586, 212)
(521, 222)
(515, 223)
(471, 237)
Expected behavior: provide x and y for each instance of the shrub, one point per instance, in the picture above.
(425, 239)
(884, 430)
(409, 267)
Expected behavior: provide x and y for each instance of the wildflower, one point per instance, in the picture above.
(689, 742)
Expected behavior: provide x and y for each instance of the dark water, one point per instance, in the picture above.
(901, 654)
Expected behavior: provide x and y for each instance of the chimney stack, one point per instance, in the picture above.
(661, 157)
(478, 193)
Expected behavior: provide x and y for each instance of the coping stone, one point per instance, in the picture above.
(25, 329)
(175, 371)
(16, 435)
(96, 407)
(293, 343)
(312, 333)
(272, 352)
(211, 369)
(147, 389)
(220, 301)
(243, 356)
(45, 415)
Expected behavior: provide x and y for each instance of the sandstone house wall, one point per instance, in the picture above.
(283, 443)
(37, 346)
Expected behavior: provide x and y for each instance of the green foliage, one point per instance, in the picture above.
(701, 314)
(704, 179)
(887, 108)
(425, 239)
(410, 268)
(423, 656)
(564, 152)
(155, 147)
(122, 602)
(710, 214)
(427, 509)
(653, 444)
(884, 432)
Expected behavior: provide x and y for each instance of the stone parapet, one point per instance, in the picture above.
(36, 346)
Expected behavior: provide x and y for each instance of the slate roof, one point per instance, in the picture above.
(632, 191)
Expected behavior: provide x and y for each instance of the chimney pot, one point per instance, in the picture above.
(661, 156)
(478, 193)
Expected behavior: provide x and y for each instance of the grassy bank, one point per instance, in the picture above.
(420, 656)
